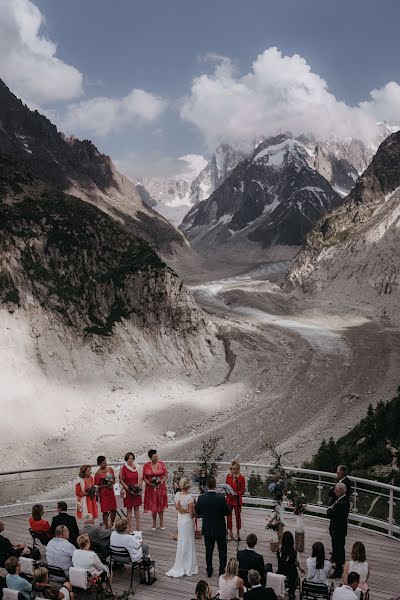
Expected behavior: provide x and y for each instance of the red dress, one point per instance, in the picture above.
(238, 484)
(155, 499)
(130, 478)
(106, 494)
(85, 504)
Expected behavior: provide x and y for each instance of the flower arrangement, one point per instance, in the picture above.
(135, 490)
(273, 523)
(92, 491)
(296, 501)
(277, 490)
(208, 461)
(155, 481)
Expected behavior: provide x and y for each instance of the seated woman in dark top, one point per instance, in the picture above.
(289, 562)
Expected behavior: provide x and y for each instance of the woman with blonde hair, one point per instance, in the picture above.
(358, 564)
(85, 492)
(230, 585)
(186, 558)
(238, 483)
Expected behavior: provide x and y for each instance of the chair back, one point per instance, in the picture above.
(55, 573)
(313, 590)
(243, 575)
(78, 578)
(11, 594)
(120, 554)
(101, 551)
(277, 583)
(27, 565)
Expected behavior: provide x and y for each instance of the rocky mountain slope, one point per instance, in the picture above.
(78, 168)
(270, 199)
(357, 244)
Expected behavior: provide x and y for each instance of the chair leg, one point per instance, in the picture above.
(131, 575)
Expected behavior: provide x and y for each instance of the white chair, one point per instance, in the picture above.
(78, 578)
(10, 594)
(277, 583)
(27, 566)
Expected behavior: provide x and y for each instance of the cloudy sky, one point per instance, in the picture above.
(152, 81)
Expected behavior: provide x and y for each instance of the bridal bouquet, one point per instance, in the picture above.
(92, 491)
(135, 490)
(156, 481)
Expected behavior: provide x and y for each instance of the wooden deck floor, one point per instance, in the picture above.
(383, 554)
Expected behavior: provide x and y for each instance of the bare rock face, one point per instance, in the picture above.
(358, 242)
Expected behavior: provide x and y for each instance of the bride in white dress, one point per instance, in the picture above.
(186, 558)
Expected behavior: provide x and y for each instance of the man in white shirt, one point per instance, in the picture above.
(120, 538)
(59, 550)
(347, 592)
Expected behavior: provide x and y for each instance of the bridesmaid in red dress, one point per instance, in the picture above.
(130, 477)
(105, 479)
(155, 496)
(238, 483)
(86, 503)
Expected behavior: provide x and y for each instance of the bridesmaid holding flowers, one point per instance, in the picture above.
(155, 496)
(131, 478)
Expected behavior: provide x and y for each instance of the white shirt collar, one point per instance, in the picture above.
(256, 586)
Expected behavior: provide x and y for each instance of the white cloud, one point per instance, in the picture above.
(194, 163)
(28, 61)
(163, 167)
(280, 93)
(102, 115)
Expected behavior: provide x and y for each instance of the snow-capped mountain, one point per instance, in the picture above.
(272, 198)
(356, 247)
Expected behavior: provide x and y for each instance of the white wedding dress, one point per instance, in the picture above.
(186, 558)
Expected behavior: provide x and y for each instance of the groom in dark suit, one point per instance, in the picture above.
(213, 509)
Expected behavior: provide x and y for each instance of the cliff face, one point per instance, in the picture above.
(358, 242)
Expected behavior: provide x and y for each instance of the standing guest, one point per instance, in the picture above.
(230, 584)
(257, 592)
(104, 480)
(213, 509)
(238, 483)
(39, 525)
(250, 559)
(41, 586)
(6, 547)
(203, 591)
(341, 477)
(84, 558)
(14, 580)
(186, 558)
(338, 514)
(155, 496)
(318, 569)
(289, 562)
(121, 539)
(131, 479)
(358, 564)
(63, 518)
(347, 591)
(85, 492)
(99, 536)
(59, 550)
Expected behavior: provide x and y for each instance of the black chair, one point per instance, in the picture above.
(292, 587)
(55, 573)
(38, 537)
(311, 591)
(101, 551)
(121, 556)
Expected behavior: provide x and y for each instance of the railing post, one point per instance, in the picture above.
(390, 519)
(319, 488)
(355, 496)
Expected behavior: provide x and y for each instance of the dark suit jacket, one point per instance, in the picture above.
(7, 550)
(260, 593)
(69, 521)
(249, 559)
(338, 515)
(349, 489)
(213, 509)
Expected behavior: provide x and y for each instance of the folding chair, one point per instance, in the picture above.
(121, 556)
(27, 566)
(310, 590)
(12, 594)
(79, 579)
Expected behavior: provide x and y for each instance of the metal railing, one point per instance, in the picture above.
(375, 505)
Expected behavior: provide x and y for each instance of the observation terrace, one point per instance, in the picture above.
(374, 520)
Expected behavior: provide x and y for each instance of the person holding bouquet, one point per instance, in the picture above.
(85, 491)
(131, 479)
(238, 483)
(155, 496)
(104, 480)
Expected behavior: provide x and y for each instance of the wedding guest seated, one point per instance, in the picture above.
(99, 536)
(257, 592)
(230, 585)
(63, 518)
(120, 538)
(203, 591)
(39, 525)
(14, 580)
(249, 559)
(358, 564)
(42, 587)
(347, 591)
(318, 569)
(289, 562)
(84, 558)
(59, 550)
(6, 547)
